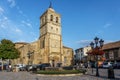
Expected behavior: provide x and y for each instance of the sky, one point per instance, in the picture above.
(81, 20)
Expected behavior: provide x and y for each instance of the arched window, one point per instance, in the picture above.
(45, 18)
(56, 19)
(51, 18)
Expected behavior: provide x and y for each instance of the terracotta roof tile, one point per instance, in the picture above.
(111, 45)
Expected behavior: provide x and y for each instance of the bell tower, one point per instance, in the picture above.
(50, 36)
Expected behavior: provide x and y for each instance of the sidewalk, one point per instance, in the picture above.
(103, 74)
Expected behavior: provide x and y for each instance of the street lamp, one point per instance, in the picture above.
(29, 56)
(96, 50)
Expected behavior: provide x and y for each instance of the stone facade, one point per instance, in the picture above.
(48, 48)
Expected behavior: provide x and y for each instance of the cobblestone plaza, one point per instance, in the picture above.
(29, 76)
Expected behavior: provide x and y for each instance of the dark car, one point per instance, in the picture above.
(28, 67)
(116, 65)
(43, 66)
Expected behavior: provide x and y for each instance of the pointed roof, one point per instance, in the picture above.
(50, 6)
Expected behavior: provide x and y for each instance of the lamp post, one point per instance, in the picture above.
(96, 50)
(28, 55)
(29, 60)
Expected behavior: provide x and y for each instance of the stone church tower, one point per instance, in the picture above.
(48, 48)
(50, 36)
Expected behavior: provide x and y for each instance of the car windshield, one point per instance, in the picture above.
(105, 63)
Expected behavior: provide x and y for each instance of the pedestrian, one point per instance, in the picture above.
(10, 67)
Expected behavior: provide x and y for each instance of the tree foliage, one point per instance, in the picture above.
(8, 50)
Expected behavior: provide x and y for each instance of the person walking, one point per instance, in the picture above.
(10, 67)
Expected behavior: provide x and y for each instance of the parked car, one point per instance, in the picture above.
(20, 67)
(107, 64)
(29, 67)
(116, 65)
(43, 66)
(23, 67)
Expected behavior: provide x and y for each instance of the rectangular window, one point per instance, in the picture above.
(42, 44)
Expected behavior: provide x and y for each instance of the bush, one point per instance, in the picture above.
(68, 68)
(52, 68)
(60, 72)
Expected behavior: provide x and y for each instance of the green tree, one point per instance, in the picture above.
(8, 50)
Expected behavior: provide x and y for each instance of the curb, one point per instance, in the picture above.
(60, 75)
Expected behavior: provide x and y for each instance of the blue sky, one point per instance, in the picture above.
(82, 20)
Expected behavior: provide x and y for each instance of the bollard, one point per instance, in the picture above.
(111, 73)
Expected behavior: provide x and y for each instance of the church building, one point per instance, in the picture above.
(49, 47)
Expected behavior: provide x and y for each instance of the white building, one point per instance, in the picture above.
(81, 53)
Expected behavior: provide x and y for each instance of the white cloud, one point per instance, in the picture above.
(8, 27)
(1, 10)
(32, 33)
(19, 40)
(18, 30)
(19, 10)
(102, 30)
(5, 18)
(4, 22)
(99, 32)
(107, 25)
(12, 3)
(84, 42)
(108, 41)
(26, 23)
(14, 30)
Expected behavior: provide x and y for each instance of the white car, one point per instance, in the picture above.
(107, 64)
(20, 67)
